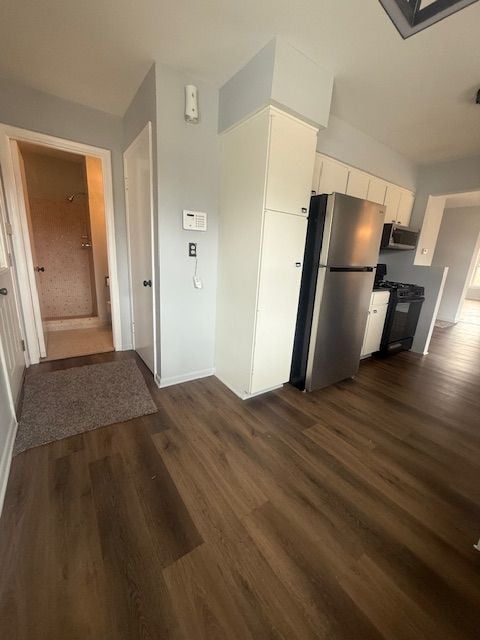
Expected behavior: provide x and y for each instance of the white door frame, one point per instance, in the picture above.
(147, 127)
(21, 239)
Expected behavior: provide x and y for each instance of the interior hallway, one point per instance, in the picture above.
(70, 343)
(348, 513)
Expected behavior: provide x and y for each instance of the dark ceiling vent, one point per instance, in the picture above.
(412, 16)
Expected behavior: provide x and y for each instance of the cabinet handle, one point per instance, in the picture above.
(298, 264)
(304, 209)
(375, 311)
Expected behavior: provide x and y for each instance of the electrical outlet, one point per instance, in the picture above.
(192, 249)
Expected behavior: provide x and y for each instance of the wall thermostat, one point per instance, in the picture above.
(194, 220)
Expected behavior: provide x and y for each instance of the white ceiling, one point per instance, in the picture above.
(415, 95)
(470, 199)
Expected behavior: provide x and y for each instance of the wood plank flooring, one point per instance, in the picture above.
(345, 514)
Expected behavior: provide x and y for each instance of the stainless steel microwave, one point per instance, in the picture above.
(397, 237)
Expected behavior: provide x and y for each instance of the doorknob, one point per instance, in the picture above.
(147, 283)
(3, 291)
(37, 269)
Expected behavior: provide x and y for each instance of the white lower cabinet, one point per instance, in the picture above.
(279, 287)
(375, 322)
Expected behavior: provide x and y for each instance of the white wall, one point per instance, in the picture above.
(456, 249)
(37, 111)
(188, 178)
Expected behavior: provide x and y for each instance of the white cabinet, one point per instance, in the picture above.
(333, 177)
(405, 207)
(392, 201)
(376, 190)
(330, 176)
(375, 322)
(268, 163)
(357, 184)
(289, 172)
(279, 287)
(317, 170)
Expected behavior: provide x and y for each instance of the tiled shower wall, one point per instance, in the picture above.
(67, 286)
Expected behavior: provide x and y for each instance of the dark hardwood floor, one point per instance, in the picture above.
(345, 514)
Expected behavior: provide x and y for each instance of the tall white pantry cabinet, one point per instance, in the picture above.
(267, 168)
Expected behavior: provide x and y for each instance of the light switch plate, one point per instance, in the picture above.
(194, 220)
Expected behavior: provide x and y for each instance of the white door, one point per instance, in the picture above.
(283, 246)
(139, 203)
(10, 333)
(334, 177)
(290, 166)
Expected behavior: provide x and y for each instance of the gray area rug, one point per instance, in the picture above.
(59, 404)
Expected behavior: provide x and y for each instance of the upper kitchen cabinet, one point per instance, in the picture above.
(317, 171)
(333, 177)
(405, 207)
(358, 183)
(376, 190)
(392, 201)
(290, 165)
(399, 203)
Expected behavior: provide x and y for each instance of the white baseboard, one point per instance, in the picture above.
(186, 377)
(6, 460)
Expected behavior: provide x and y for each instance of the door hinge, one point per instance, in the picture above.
(133, 327)
(10, 260)
(22, 342)
(126, 183)
(8, 229)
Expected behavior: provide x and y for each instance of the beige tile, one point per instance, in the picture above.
(78, 342)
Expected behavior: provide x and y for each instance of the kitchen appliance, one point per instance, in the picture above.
(395, 236)
(341, 252)
(404, 307)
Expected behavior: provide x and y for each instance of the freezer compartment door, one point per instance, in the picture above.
(353, 231)
(338, 329)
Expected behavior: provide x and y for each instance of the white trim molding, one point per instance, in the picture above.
(186, 377)
(30, 307)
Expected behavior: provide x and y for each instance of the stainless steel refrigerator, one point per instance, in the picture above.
(341, 253)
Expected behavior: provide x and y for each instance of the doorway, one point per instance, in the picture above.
(60, 196)
(138, 171)
(64, 199)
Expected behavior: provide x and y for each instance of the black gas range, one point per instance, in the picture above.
(404, 308)
(401, 289)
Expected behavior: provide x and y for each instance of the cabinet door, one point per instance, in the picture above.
(375, 324)
(279, 287)
(334, 177)
(405, 207)
(317, 170)
(392, 201)
(357, 184)
(290, 165)
(376, 190)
